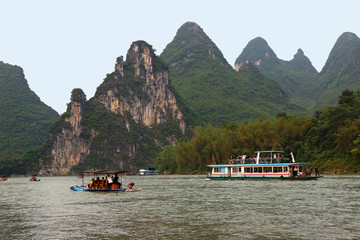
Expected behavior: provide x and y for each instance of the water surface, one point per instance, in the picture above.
(182, 207)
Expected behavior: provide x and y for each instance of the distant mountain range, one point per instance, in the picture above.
(213, 89)
(150, 101)
(305, 86)
(24, 119)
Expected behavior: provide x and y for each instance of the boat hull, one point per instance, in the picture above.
(86, 189)
(265, 178)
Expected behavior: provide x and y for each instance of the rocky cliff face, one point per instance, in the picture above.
(132, 115)
(156, 104)
(68, 147)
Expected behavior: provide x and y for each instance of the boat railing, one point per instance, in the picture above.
(261, 160)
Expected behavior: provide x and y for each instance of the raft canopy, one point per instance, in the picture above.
(105, 172)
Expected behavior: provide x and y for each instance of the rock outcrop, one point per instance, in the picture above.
(156, 104)
(68, 147)
(132, 115)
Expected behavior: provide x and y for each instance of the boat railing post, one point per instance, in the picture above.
(292, 157)
(258, 158)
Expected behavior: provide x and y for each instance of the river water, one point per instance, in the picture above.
(182, 207)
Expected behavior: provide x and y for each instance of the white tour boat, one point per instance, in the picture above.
(272, 166)
(148, 171)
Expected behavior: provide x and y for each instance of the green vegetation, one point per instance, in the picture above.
(212, 89)
(341, 70)
(24, 119)
(295, 76)
(27, 163)
(330, 140)
(304, 85)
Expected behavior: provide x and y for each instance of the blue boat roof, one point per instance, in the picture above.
(259, 165)
(271, 151)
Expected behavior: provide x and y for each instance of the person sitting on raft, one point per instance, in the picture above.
(109, 181)
(131, 185)
(91, 184)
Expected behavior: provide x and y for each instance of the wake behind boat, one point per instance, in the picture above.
(271, 167)
(105, 181)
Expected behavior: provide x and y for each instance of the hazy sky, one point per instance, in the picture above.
(62, 45)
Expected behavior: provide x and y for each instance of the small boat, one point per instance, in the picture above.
(148, 171)
(271, 167)
(3, 179)
(104, 184)
(34, 179)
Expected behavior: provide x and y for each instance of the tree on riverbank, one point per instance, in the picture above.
(330, 140)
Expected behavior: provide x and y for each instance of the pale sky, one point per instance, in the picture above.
(67, 44)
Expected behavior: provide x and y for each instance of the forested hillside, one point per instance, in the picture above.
(295, 76)
(211, 87)
(341, 71)
(304, 85)
(330, 140)
(24, 118)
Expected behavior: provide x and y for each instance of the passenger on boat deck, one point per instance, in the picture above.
(116, 179)
(91, 184)
(109, 180)
(308, 172)
(317, 172)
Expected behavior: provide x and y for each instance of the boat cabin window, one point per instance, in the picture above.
(277, 169)
(248, 170)
(235, 169)
(268, 169)
(218, 170)
(286, 169)
(258, 170)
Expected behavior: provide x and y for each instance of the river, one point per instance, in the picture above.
(182, 207)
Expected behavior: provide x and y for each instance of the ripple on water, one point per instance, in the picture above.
(182, 207)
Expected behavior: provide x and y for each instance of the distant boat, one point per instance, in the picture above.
(271, 167)
(98, 184)
(34, 179)
(3, 179)
(148, 171)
